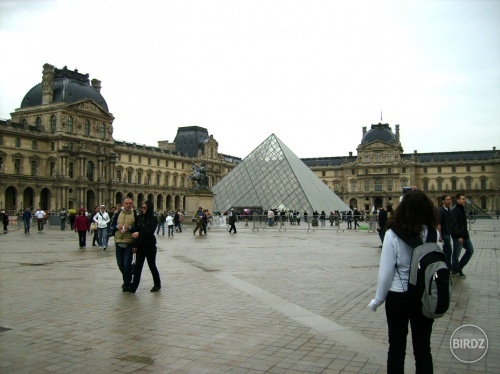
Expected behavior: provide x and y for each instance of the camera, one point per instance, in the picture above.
(406, 189)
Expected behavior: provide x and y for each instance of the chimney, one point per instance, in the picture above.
(350, 154)
(415, 151)
(96, 83)
(364, 130)
(47, 84)
(397, 133)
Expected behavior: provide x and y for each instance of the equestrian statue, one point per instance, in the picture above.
(199, 176)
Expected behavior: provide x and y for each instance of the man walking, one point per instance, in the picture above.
(63, 214)
(444, 227)
(27, 220)
(40, 216)
(123, 239)
(232, 221)
(460, 236)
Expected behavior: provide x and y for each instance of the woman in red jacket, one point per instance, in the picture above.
(81, 226)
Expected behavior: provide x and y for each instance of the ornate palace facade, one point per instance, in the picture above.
(58, 151)
(380, 170)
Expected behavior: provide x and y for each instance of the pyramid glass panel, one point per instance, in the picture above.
(273, 177)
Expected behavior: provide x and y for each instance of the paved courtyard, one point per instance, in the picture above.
(259, 301)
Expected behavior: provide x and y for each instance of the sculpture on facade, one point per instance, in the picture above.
(199, 176)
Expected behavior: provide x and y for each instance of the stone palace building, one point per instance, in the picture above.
(58, 150)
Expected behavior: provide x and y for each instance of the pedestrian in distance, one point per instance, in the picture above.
(125, 223)
(81, 227)
(102, 220)
(161, 223)
(144, 246)
(169, 221)
(40, 217)
(64, 215)
(4, 217)
(232, 221)
(444, 227)
(27, 220)
(415, 217)
(381, 224)
(461, 238)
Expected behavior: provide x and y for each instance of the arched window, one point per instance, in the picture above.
(53, 127)
(86, 129)
(70, 124)
(102, 131)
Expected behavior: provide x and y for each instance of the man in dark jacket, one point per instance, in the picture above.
(444, 227)
(382, 224)
(460, 235)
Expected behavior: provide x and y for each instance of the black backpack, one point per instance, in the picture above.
(429, 284)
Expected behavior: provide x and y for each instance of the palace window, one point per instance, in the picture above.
(454, 184)
(139, 177)
(440, 184)
(378, 184)
(425, 170)
(129, 176)
(34, 145)
(119, 176)
(378, 157)
(390, 157)
(71, 172)
(70, 124)
(366, 158)
(17, 166)
(139, 160)
(353, 186)
(86, 128)
(453, 169)
(483, 168)
(166, 163)
(157, 179)
(367, 185)
(52, 168)
(366, 171)
(38, 122)
(389, 185)
(403, 170)
(52, 146)
(468, 183)
(404, 182)
(90, 171)
(439, 169)
(129, 158)
(157, 162)
(149, 160)
(53, 126)
(1, 139)
(426, 184)
(18, 142)
(323, 173)
(353, 172)
(336, 186)
(102, 131)
(34, 168)
(467, 168)
(483, 183)
(175, 164)
(389, 171)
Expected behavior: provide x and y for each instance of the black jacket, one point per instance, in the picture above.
(146, 224)
(458, 222)
(444, 220)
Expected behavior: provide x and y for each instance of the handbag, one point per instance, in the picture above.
(93, 226)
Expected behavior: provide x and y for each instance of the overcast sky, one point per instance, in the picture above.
(311, 72)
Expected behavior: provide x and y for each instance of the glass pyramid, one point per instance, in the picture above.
(273, 177)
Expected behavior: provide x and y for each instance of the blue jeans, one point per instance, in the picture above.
(162, 225)
(270, 221)
(170, 230)
(102, 236)
(456, 264)
(447, 249)
(26, 226)
(63, 223)
(124, 260)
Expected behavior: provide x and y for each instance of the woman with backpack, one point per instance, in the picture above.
(413, 219)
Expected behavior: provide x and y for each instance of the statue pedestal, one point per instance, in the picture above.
(195, 199)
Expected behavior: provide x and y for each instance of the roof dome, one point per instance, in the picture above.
(380, 132)
(68, 87)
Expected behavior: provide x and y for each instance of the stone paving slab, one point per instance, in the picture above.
(266, 301)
